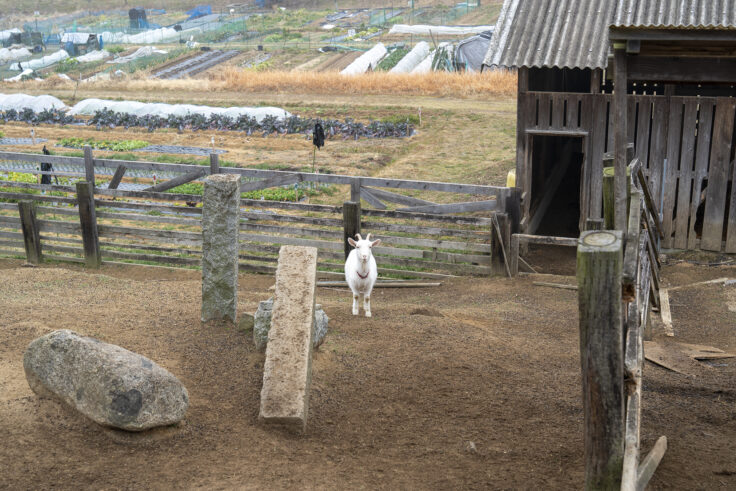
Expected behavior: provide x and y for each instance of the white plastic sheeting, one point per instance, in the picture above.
(7, 55)
(44, 62)
(90, 106)
(412, 58)
(93, 56)
(139, 53)
(426, 30)
(366, 61)
(6, 34)
(162, 35)
(23, 101)
(75, 37)
(19, 77)
(425, 66)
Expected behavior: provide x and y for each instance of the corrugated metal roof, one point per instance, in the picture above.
(574, 33)
(718, 14)
(552, 33)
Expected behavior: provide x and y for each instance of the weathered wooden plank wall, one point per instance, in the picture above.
(685, 146)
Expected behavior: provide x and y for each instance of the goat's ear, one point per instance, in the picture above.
(376, 242)
(352, 242)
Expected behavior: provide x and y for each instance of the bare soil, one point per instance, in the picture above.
(396, 400)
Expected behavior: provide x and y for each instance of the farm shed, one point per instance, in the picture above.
(678, 60)
(79, 43)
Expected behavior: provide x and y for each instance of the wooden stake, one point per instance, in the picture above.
(599, 274)
(88, 220)
(350, 223)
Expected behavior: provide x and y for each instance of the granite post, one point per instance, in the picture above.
(220, 247)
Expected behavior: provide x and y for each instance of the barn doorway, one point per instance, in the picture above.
(556, 172)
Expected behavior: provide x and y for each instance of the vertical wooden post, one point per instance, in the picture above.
(599, 274)
(89, 166)
(31, 238)
(499, 245)
(214, 163)
(350, 223)
(117, 177)
(514, 255)
(513, 209)
(620, 108)
(355, 190)
(608, 199)
(88, 220)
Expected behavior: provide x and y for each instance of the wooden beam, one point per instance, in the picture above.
(117, 177)
(643, 34)
(270, 182)
(633, 46)
(177, 181)
(689, 69)
(397, 198)
(466, 207)
(371, 199)
(599, 271)
(547, 240)
(620, 121)
(31, 238)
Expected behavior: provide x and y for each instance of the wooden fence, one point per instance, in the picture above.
(618, 274)
(421, 239)
(684, 144)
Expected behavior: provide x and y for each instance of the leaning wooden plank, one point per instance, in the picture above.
(715, 201)
(631, 442)
(271, 182)
(699, 283)
(491, 205)
(396, 198)
(177, 181)
(117, 177)
(650, 463)
(651, 206)
(500, 238)
(371, 199)
(664, 299)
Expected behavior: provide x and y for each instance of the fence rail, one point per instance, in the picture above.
(420, 239)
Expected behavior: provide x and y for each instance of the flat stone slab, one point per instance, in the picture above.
(109, 384)
(262, 324)
(287, 371)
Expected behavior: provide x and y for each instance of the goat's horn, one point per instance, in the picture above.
(368, 238)
(359, 237)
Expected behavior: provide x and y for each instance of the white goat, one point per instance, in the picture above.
(361, 272)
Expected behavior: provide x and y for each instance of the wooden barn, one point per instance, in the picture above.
(677, 59)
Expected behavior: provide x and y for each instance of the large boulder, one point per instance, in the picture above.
(262, 324)
(108, 384)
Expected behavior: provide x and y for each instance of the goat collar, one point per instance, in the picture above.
(361, 276)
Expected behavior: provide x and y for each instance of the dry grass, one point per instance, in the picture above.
(442, 84)
(429, 84)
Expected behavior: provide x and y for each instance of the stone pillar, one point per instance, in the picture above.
(287, 371)
(220, 247)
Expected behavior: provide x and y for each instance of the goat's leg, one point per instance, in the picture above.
(367, 305)
(355, 304)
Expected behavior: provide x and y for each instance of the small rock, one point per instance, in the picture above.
(470, 447)
(108, 384)
(262, 324)
(246, 322)
(426, 312)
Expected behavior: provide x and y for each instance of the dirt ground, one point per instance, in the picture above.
(395, 400)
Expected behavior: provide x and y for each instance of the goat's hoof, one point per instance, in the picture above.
(355, 312)
(368, 314)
